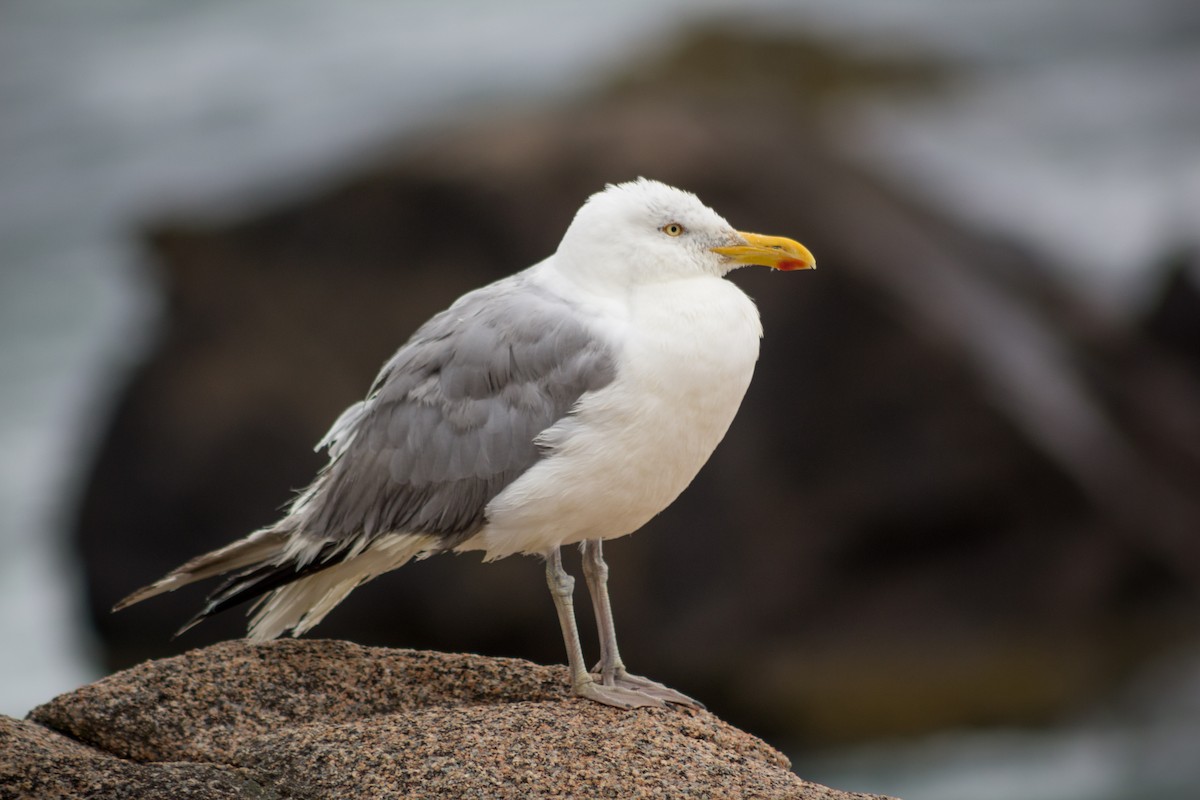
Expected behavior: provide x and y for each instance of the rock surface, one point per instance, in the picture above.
(327, 719)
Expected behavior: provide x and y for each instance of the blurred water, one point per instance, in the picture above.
(1141, 745)
(1078, 133)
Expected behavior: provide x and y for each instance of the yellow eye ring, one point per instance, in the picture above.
(672, 229)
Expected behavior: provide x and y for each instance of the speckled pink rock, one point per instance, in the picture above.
(326, 719)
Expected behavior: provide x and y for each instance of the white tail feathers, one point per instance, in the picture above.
(300, 605)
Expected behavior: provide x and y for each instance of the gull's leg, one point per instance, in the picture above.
(562, 586)
(611, 669)
(595, 572)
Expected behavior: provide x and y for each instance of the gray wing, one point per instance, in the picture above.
(451, 419)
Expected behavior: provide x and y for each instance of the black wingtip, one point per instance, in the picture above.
(191, 623)
(257, 581)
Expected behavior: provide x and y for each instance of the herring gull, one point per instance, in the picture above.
(568, 403)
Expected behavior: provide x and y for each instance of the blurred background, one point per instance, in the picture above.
(949, 548)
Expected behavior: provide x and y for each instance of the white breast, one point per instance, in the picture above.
(631, 448)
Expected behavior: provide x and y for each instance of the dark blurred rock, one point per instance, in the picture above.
(954, 495)
(719, 61)
(1174, 318)
(323, 719)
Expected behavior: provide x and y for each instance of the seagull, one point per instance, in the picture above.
(566, 404)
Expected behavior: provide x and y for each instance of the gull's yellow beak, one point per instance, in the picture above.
(776, 252)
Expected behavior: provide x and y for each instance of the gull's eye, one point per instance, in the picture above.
(672, 229)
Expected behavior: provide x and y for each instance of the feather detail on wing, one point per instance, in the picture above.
(451, 420)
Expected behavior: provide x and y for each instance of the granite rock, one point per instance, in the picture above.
(38, 762)
(329, 719)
